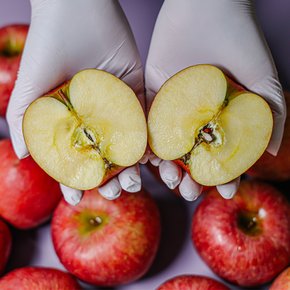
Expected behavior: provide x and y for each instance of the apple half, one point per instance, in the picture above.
(87, 130)
(209, 125)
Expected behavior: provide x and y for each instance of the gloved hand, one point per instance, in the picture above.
(65, 37)
(223, 33)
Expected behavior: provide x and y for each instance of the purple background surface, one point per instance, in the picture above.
(176, 255)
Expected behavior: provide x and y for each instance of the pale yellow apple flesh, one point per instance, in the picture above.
(216, 129)
(83, 130)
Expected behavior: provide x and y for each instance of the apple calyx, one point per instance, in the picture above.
(11, 48)
(84, 137)
(90, 222)
(249, 223)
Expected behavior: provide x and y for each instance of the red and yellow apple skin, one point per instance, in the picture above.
(12, 40)
(5, 245)
(107, 243)
(192, 282)
(275, 168)
(282, 282)
(28, 195)
(34, 278)
(246, 239)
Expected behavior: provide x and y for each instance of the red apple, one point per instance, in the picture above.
(192, 282)
(28, 195)
(276, 168)
(5, 244)
(246, 239)
(33, 278)
(12, 39)
(282, 282)
(106, 242)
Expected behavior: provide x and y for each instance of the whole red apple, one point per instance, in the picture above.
(34, 278)
(276, 168)
(12, 40)
(282, 282)
(246, 239)
(106, 242)
(192, 282)
(27, 194)
(5, 245)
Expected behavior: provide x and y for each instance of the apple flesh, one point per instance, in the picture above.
(34, 278)
(27, 194)
(87, 130)
(192, 282)
(12, 40)
(212, 127)
(5, 245)
(107, 243)
(276, 168)
(246, 239)
(282, 282)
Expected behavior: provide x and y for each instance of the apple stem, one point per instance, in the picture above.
(66, 100)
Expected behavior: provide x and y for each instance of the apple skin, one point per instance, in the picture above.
(275, 168)
(235, 246)
(192, 282)
(119, 249)
(30, 278)
(28, 195)
(10, 57)
(282, 282)
(5, 245)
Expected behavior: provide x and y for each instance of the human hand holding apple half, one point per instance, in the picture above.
(86, 130)
(49, 59)
(209, 125)
(224, 34)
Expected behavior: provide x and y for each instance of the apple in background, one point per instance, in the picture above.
(34, 278)
(97, 128)
(5, 245)
(107, 243)
(276, 168)
(27, 194)
(12, 40)
(209, 125)
(192, 282)
(282, 282)
(246, 239)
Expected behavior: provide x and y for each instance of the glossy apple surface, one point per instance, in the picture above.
(104, 242)
(12, 40)
(192, 282)
(28, 195)
(33, 278)
(246, 239)
(282, 282)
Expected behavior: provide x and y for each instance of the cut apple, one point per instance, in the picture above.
(87, 130)
(211, 126)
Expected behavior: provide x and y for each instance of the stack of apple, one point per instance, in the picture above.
(202, 120)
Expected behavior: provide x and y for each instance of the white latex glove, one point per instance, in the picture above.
(67, 36)
(223, 33)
